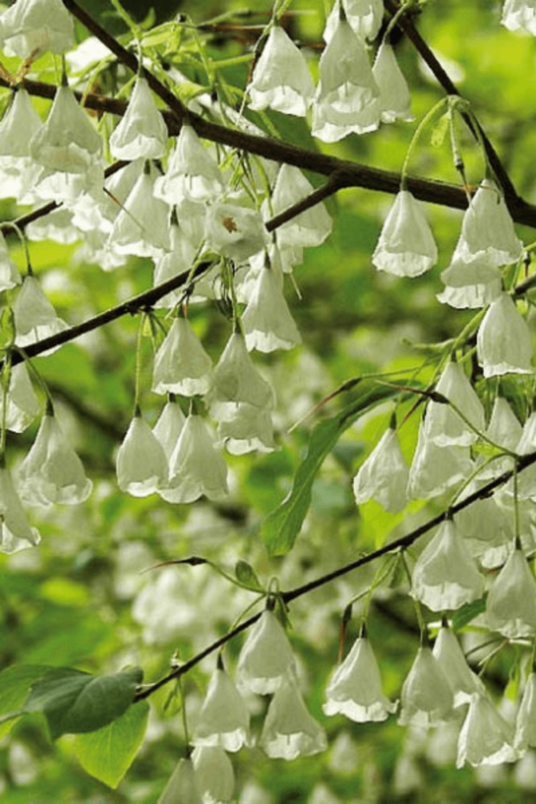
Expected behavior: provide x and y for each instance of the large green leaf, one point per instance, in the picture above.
(15, 683)
(74, 702)
(281, 526)
(108, 753)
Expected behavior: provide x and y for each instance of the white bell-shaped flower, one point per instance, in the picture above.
(445, 576)
(435, 469)
(169, 426)
(192, 173)
(311, 227)
(504, 341)
(141, 463)
(488, 230)
(246, 428)
(486, 530)
(19, 124)
(182, 786)
(35, 317)
(511, 604)
(289, 731)
(234, 231)
(214, 774)
(142, 131)
(485, 738)
(426, 698)
(281, 79)
(141, 227)
(267, 322)
(443, 424)
(36, 25)
(406, 246)
(181, 365)
(224, 718)
(463, 681)
(395, 99)
(196, 467)
(525, 733)
(9, 274)
(505, 430)
(365, 18)
(347, 95)
(520, 15)
(470, 284)
(384, 475)
(355, 689)
(52, 472)
(235, 379)
(69, 145)
(22, 403)
(180, 258)
(15, 532)
(266, 657)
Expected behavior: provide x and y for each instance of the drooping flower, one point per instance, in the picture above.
(235, 379)
(406, 246)
(488, 230)
(485, 738)
(181, 365)
(309, 228)
(171, 263)
(15, 532)
(520, 15)
(445, 576)
(364, 16)
(267, 322)
(435, 469)
(281, 79)
(31, 26)
(35, 317)
(22, 403)
(192, 173)
(485, 528)
(223, 719)
(511, 604)
(355, 689)
(52, 472)
(384, 475)
(142, 131)
(443, 424)
(246, 428)
(169, 426)
(471, 284)
(141, 462)
(347, 95)
(289, 731)
(19, 125)
(182, 786)
(448, 653)
(395, 99)
(266, 657)
(504, 341)
(426, 698)
(196, 467)
(214, 774)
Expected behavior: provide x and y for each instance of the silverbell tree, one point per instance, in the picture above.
(268, 438)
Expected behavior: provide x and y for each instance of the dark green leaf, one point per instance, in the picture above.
(468, 612)
(74, 702)
(281, 527)
(108, 753)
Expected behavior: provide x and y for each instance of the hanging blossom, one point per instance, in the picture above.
(169, 426)
(214, 775)
(406, 246)
(22, 403)
(520, 15)
(36, 25)
(346, 99)
(266, 658)
(444, 426)
(309, 228)
(192, 172)
(224, 719)
(488, 229)
(235, 379)
(355, 689)
(384, 475)
(289, 731)
(19, 125)
(142, 131)
(182, 785)
(364, 16)
(267, 321)
(52, 472)
(141, 462)
(247, 428)
(281, 79)
(426, 698)
(504, 341)
(449, 655)
(435, 469)
(395, 99)
(35, 317)
(15, 532)
(181, 365)
(485, 738)
(511, 603)
(470, 284)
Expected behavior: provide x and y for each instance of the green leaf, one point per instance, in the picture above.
(440, 130)
(468, 612)
(108, 753)
(245, 574)
(281, 526)
(15, 683)
(74, 702)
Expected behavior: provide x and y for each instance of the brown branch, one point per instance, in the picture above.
(522, 463)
